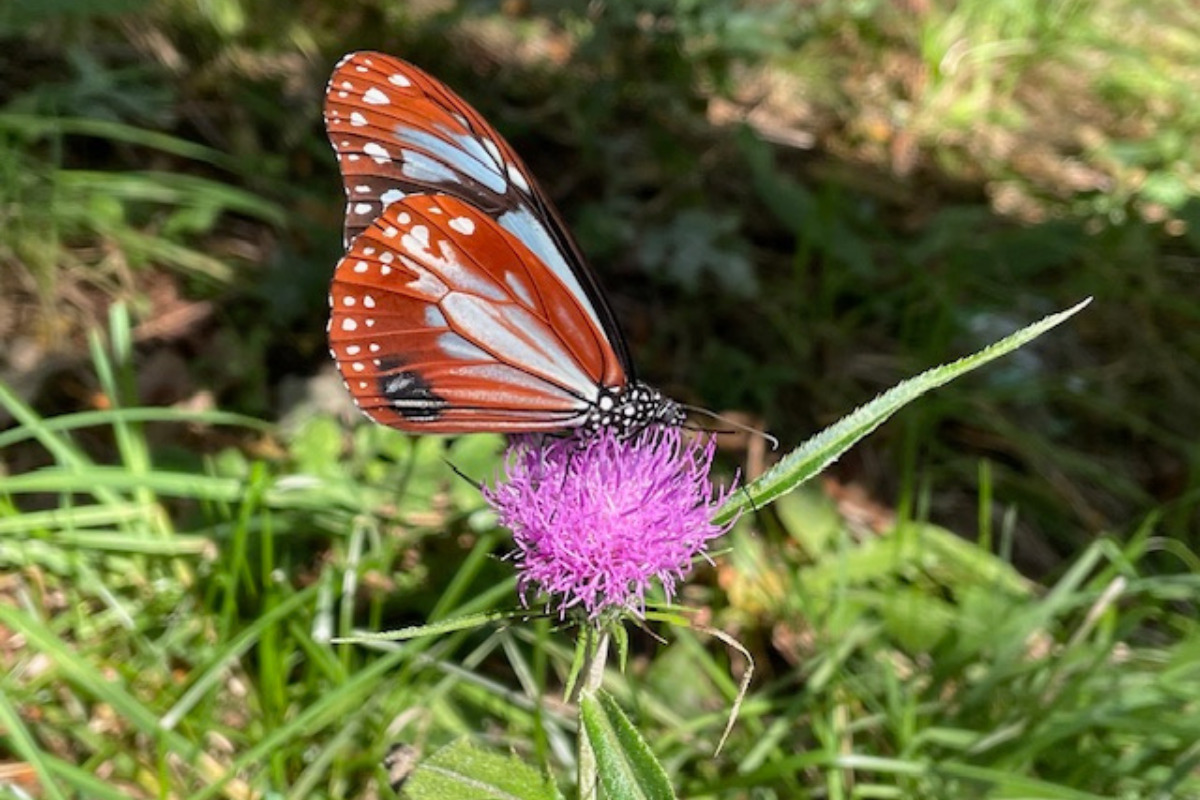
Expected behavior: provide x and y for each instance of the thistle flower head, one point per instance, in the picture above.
(597, 518)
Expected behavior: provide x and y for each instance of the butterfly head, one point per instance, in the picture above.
(631, 408)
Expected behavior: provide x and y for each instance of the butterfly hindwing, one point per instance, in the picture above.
(443, 321)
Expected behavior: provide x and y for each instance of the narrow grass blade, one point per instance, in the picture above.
(114, 416)
(171, 188)
(433, 629)
(78, 671)
(41, 125)
(217, 669)
(23, 744)
(98, 481)
(1007, 783)
(331, 709)
(74, 520)
(63, 450)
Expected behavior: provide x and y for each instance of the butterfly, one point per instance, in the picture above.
(462, 303)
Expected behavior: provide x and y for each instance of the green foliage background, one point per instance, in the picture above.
(794, 206)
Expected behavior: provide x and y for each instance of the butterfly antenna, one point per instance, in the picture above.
(477, 484)
(736, 426)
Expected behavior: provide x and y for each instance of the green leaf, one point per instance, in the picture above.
(627, 768)
(917, 620)
(578, 660)
(820, 451)
(439, 628)
(461, 771)
(620, 640)
(317, 447)
(811, 518)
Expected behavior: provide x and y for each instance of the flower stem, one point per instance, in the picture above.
(593, 677)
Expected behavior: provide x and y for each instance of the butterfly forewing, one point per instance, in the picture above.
(398, 131)
(443, 321)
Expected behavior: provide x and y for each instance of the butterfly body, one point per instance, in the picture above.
(462, 303)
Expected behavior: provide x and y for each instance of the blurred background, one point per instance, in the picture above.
(793, 205)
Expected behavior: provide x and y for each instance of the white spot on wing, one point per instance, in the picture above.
(362, 208)
(349, 324)
(518, 178)
(375, 97)
(353, 350)
(357, 119)
(399, 80)
(378, 152)
(360, 266)
(493, 151)
(464, 225)
(368, 301)
(391, 196)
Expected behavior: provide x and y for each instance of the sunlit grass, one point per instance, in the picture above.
(178, 614)
(167, 630)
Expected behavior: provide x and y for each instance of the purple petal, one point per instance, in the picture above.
(597, 519)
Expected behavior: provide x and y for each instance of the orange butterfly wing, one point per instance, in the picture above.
(398, 131)
(443, 321)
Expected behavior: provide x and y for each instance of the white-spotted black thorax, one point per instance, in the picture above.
(631, 408)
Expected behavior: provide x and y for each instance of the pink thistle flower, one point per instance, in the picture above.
(597, 518)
